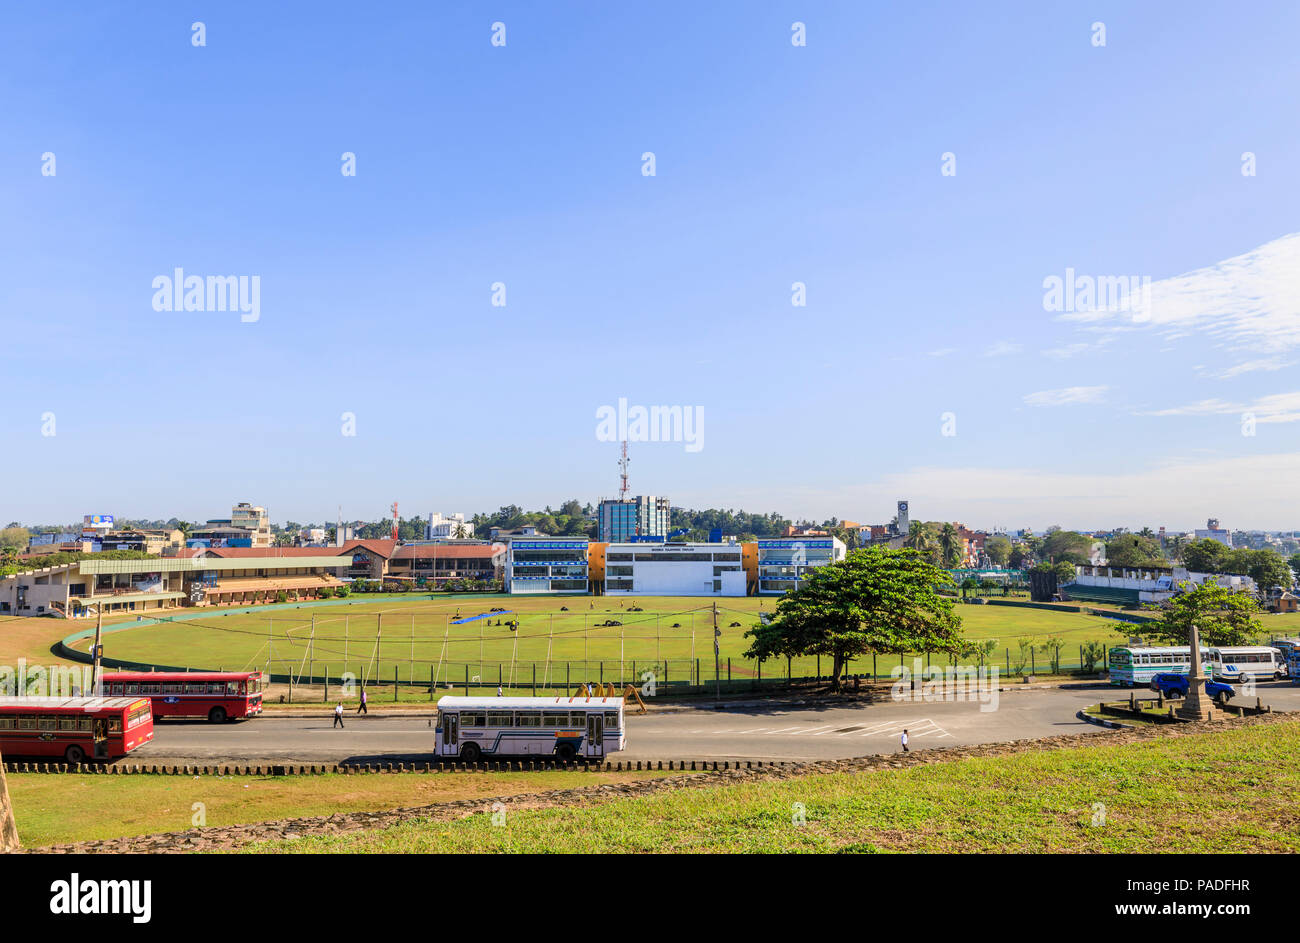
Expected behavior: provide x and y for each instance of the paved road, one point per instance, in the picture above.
(778, 732)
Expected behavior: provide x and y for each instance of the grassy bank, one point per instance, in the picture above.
(1232, 791)
(55, 809)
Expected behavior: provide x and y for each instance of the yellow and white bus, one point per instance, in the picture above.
(567, 728)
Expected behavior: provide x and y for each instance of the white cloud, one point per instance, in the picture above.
(1002, 349)
(1073, 350)
(1267, 364)
(1276, 407)
(1250, 301)
(943, 352)
(1069, 396)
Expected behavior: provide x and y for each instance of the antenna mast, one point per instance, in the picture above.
(622, 468)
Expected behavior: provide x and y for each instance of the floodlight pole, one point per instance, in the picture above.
(717, 662)
(96, 684)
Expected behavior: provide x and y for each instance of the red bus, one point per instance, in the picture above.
(75, 728)
(217, 695)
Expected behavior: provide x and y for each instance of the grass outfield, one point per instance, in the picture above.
(414, 637)
(1232, 791)
(58, 809)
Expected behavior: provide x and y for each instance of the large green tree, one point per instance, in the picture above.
(1205, 556)
(1133, 550)
(999, 549)
(1266, 567)
(875, 600)
(1066, 545)
(1223, 617)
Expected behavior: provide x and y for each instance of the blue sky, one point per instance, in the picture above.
(775, 164)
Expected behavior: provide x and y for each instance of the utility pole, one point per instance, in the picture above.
(717, 662)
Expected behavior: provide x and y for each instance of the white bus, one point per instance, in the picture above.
(566, 728)
(1136, 666)
(1247, 663)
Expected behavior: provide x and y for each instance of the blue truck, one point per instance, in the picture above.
(1172, 685)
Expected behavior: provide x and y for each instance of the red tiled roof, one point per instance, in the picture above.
(383, 548)
(449, 552)
(232, 552)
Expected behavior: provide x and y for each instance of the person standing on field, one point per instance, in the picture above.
(903, 740)
(338, 714)
(361, 708)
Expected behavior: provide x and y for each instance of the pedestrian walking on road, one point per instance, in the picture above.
(361, 708)
(499, 694)
(903, 740)
(338, 714)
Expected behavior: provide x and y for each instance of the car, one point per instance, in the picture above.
(1173, 685)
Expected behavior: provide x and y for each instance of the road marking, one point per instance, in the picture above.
(915, 728)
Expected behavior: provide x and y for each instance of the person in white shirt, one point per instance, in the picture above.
(338, 714)
(903, 740)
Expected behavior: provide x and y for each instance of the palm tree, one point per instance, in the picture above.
(950, 546)
(920, 538)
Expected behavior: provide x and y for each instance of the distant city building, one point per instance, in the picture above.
(904, 518)
(247, 526)
(311, 537)
(804, 530)
(252, 519)
(451, 526)
(642, 516)
(1212, 531)
(219, 533)
(96, 541)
